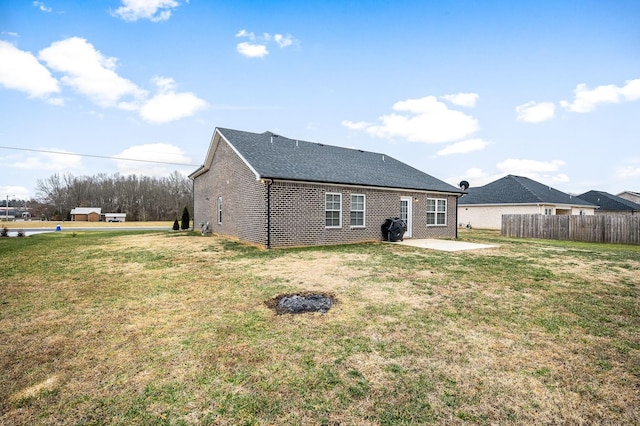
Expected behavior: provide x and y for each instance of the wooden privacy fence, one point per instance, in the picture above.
(596, 229)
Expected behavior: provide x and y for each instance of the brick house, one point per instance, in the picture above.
(279, 192)
(86, 214)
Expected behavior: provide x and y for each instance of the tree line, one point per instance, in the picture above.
(142, 198)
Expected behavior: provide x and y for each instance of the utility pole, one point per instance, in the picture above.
(6, 209)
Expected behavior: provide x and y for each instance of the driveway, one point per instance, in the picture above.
(443, 245)
(33, 231)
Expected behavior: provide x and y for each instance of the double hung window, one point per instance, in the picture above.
(358, 205)
(436, 211)
(333, 210)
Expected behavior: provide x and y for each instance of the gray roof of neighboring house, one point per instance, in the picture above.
(277, 157)
(519, 190)
(609, 202)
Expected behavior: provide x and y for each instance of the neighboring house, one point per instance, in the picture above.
(631, 196)
(86, 214)
(7, 213)
(483, 207)
(611, 204)
(115, 217)
(279, 192)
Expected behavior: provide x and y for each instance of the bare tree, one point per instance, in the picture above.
(141, 197)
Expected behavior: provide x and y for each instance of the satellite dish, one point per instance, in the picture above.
(464, 185)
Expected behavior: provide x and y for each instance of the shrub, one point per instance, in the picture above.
(176, 225)
(4, 232)
(185, 218)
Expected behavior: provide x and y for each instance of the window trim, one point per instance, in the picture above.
(333, 210)
(219, 210)
(363, 211)
(436, 213)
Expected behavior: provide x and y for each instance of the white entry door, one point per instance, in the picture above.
(406, 214)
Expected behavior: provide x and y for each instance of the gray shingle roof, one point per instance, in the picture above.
(518, 190)
(609, 202)
(277, 157)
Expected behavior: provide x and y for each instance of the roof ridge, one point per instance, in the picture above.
(274, 156)
(526, 187)
(279, 135)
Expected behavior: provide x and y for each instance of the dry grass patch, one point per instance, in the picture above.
(173, 328)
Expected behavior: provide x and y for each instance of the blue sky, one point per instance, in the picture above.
(469, 90)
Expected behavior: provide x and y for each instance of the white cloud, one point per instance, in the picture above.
(159, 152)
(14, 192)
(546, 172)
(40, 5)
(360, 125)
(258, 46)
(153, 10)
(533, 112)
(462, 99)
(630, 169)
(164, 84)
(170, 106)
(59, 160)
(464, 147)
(586, 100)
(283, 41)
(245, 33)
(91, 74)
(88, 71)
(252, 50)
(55, 101)
(628, 172)
(420, 120)
(521, 166)
(21, 70)
(166, 105)
(475, 176)
(542, 171)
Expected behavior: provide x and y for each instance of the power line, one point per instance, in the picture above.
(97, 156)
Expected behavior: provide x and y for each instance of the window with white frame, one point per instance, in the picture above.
(333, 210)
(358, 205)
(548, 211)
(219, 210)
(436, 211)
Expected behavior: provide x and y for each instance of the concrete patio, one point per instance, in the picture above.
(443, 245)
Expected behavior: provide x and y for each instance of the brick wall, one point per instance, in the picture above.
(298, 215)
(420, 227)
(243, 198)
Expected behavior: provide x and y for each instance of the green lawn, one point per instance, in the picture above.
(176, 328)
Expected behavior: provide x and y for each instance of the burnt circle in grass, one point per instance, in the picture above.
(301, 302)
